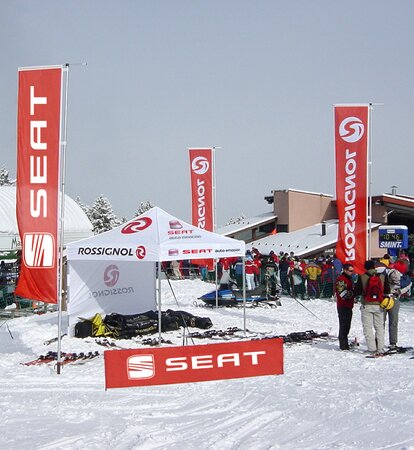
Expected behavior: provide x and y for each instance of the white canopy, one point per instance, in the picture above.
(150, 238)
(155, 236)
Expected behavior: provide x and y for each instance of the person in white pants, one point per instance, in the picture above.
(251, 269)
(372, 315)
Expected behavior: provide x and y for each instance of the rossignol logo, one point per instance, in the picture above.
(111, 275)
(140, 252)
(200, 165)
(108, 251)
(136, 225)
(351, 129)
(39, 250)
(140, 367)
(350, 205)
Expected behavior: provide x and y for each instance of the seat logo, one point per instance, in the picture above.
(39, 250)
(140, 367)
(136, 225)
(175, 225)
(111, 275)
(351, 129)
(200, 165)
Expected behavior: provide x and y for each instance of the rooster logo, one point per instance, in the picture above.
(351, 129)
(200, 165)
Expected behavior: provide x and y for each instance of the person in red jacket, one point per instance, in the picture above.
(345, 297)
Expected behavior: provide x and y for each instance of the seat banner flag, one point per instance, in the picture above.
(351, 160)
(39, 112)
(201, 169)
(193, 363)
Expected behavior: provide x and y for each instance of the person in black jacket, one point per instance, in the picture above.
(345, 297)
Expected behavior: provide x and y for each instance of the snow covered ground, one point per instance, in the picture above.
(326, 399)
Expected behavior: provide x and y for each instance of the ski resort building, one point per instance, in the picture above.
(306, 223)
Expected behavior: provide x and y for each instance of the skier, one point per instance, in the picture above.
(345, 297)
(373, 288)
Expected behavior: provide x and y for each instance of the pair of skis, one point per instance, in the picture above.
(67, 358)
(393, 351)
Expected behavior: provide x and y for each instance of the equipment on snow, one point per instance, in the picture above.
(230, 297)
(392, 351)
(66, 358)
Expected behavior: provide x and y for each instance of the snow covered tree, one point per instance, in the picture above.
(143, 207)
(235, 220)
(84, 207)
(4, 178)
(102, 216)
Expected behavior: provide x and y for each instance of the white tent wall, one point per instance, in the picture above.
(104, 287)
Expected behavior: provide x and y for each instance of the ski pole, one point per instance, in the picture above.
(301, 304)
(176, 301)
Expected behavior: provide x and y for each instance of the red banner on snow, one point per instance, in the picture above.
(201, 167)
(38, 151)
(170, 365)
(351, 152)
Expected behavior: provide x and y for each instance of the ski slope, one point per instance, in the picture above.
(326, 399)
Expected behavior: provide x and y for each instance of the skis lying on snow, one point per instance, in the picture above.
(148, 341)
(308, 336)
(51, 357)
(55, 339)
(392, 351)
(211, 334)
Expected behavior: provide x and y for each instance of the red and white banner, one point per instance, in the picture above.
(38, 155)
(201, 167)
(170, 365)
(351, 154)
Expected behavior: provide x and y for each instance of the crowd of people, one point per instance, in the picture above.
(300, 277)
(380, 289)
(321, 277)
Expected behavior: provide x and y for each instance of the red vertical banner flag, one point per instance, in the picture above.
(351, 156)
(38, 167)
(201, 167)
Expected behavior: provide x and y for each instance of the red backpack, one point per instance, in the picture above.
(374, 290)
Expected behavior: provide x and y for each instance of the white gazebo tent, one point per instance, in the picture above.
(154, 236)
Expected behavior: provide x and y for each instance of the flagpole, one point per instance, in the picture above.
(62, 216)
(213, 170)
(62, 210)
(369, 168)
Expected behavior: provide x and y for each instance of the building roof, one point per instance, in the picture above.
(77, 225)
(304, 242)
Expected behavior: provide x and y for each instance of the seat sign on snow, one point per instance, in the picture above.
(170, 365)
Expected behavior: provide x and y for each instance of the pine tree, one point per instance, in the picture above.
(85, 208)
(4, 178)
(102, 216)
(143, 207)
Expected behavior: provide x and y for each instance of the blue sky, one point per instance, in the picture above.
(258, 79)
